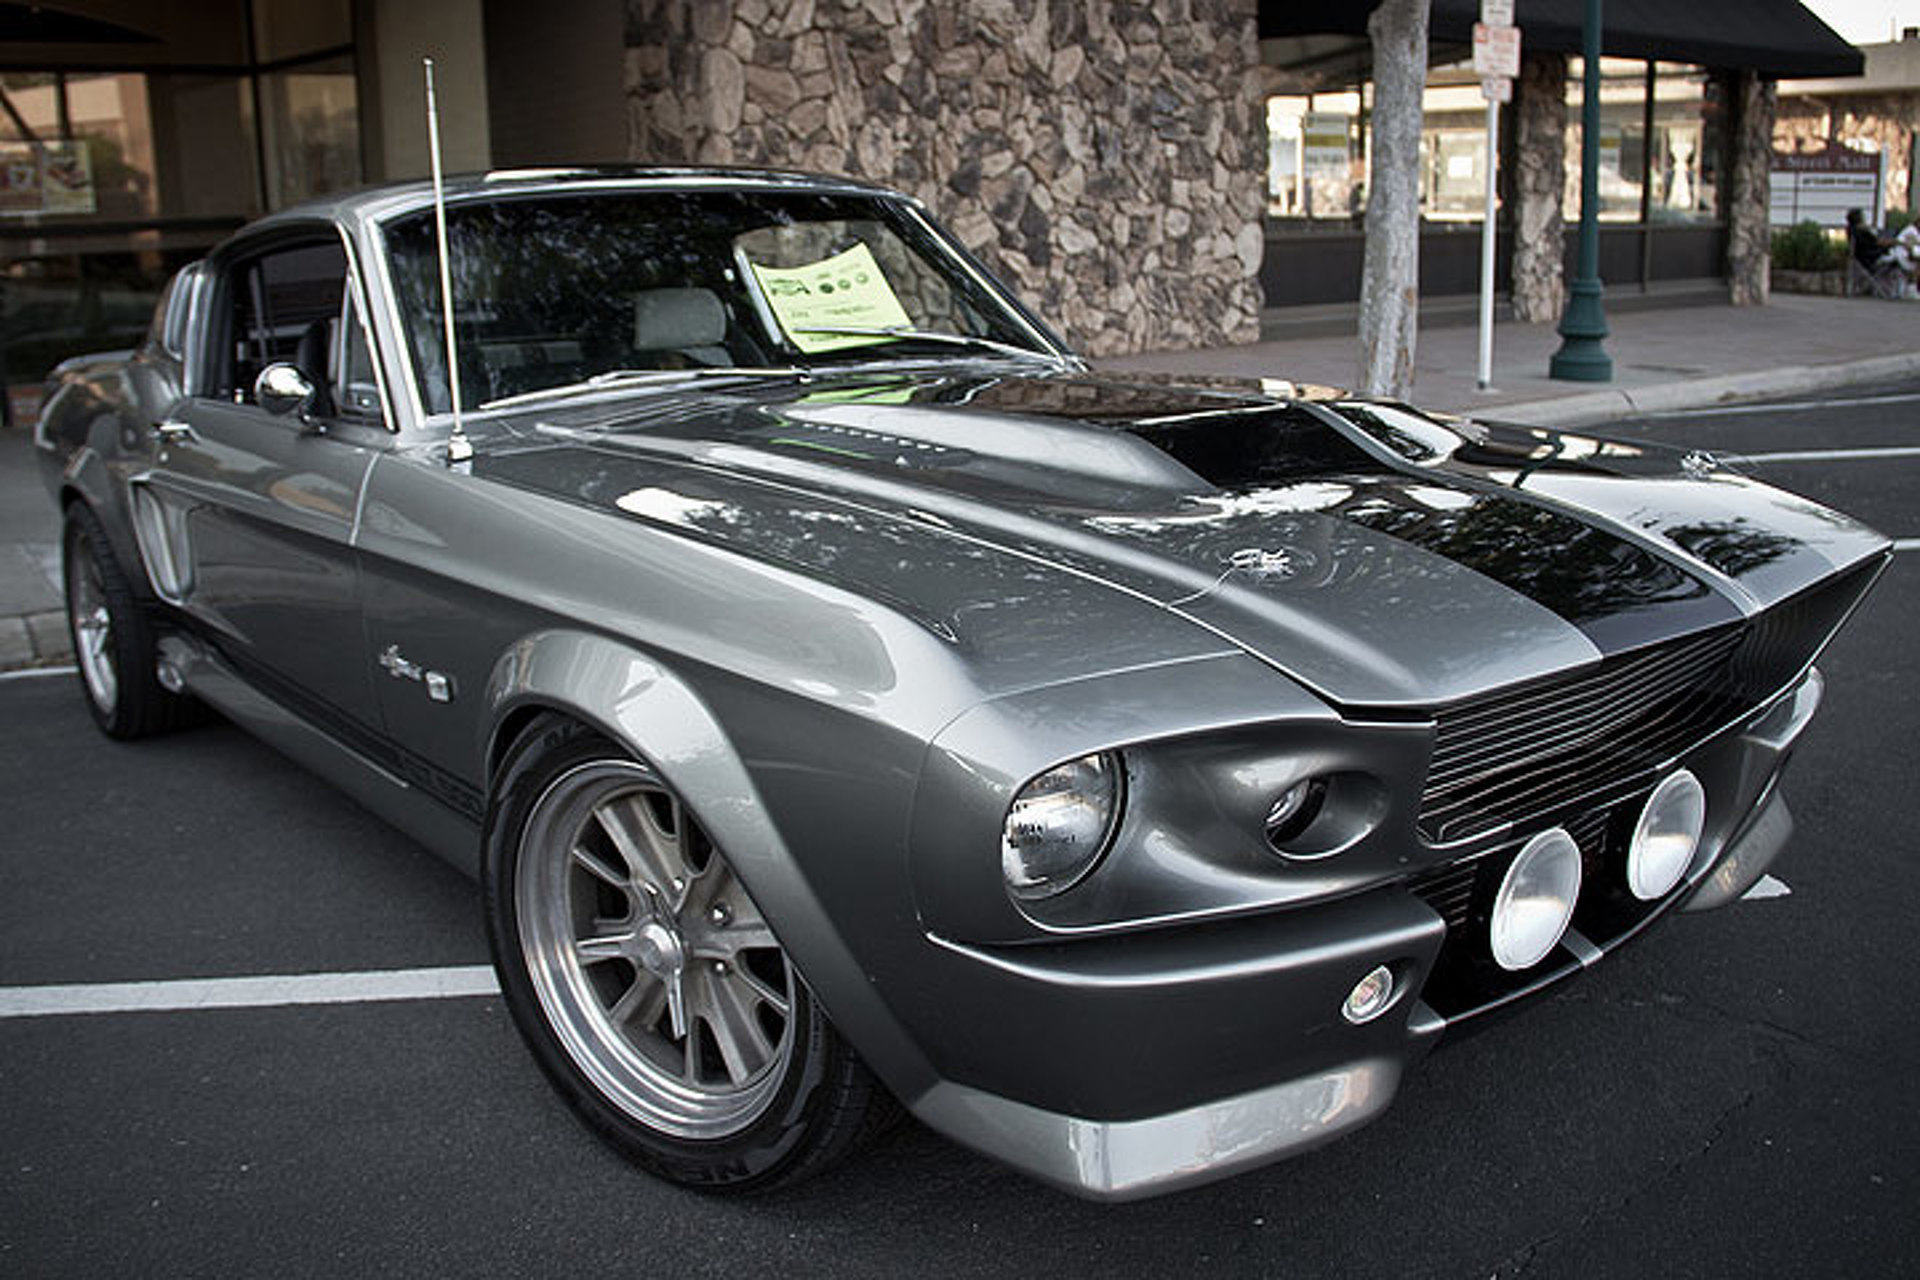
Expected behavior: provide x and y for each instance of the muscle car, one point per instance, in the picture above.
(848, 700)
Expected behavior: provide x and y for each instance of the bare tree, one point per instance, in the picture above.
(1390, 280)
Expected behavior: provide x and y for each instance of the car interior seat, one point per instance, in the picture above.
(688, 322)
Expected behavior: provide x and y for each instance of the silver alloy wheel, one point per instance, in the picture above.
(92, 625)
(654, 968)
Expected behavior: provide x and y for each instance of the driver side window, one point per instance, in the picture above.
(291, 304)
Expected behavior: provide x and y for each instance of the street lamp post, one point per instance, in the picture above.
(1583, 326)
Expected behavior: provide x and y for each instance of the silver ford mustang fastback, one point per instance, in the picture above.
(847, 701)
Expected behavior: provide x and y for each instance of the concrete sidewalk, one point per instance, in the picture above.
(33, 626)
(1664, 359)
(1668, 358)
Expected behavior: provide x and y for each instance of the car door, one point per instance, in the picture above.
(255, 511)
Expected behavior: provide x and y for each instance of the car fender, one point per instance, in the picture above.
(87, 477)
(646, 707)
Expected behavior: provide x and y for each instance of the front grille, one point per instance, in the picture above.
(1534, 748)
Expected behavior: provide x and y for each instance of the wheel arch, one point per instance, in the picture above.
(646, 708)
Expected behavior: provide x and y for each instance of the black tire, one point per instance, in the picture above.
(725, 1118)
(113, 637)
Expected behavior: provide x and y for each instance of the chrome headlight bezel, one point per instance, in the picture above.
(1060, 825)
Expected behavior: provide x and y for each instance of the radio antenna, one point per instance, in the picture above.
(459, 448)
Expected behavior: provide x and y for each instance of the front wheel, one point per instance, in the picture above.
(648, 983)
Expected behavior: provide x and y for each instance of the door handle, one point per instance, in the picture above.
(174, 431)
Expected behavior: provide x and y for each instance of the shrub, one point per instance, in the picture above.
(1808, 246)
(1897, 220)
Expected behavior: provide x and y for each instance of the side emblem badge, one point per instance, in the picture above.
(439, 686)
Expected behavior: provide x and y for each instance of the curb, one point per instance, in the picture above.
(1592, 407)
(34, 640)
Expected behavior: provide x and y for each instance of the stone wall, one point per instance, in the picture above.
(1884, 122)
(1539, 185)
(1105, 159)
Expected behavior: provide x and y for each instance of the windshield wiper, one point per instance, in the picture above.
(613, 378)
(907, 333)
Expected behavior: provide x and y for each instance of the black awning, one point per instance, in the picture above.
(1774, 37)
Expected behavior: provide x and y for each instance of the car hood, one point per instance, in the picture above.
(1379, 555)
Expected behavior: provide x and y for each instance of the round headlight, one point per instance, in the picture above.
(1535, 902)
(1666, 836)
(1059, 824)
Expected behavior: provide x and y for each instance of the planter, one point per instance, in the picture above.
(1832, 282)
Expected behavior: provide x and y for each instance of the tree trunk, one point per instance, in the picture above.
(1390, 280)
(1539, 289)
(1749, 238)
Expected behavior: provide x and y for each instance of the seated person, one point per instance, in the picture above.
(1866, 244)
(1870, 250)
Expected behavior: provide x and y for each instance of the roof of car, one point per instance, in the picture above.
(388, 198)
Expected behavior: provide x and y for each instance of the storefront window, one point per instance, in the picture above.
(1317, 156)
(1623, 136)
(1689, 133)
(111, 179)
(312, 118)
(1453, 146)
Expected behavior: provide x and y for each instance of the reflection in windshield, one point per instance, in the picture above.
(553, 291)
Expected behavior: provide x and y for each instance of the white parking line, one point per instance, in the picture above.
(1906, 544)
(249, 993)
(31, 673)
(1766, 887)
(1830, 455)
(1784, 406)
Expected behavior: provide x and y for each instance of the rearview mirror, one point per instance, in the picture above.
(282, 388)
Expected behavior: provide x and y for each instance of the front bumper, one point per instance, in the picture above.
(1151, 1062)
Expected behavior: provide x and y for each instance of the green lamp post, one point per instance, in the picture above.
(1583, 325)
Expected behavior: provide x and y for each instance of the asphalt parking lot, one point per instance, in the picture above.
(1732, 1095)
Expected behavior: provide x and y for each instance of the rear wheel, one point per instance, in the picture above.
(113, 638)
(647, 981)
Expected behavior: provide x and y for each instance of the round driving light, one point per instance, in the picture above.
(1058, 826)
(1369, 997)
(1535, 902)
(1666, 836)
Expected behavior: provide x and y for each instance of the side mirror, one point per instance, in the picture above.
(282, 389)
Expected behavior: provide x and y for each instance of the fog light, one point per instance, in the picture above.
(1369, 997)
(1666, 836)
(1536, 899)
(1295, 810)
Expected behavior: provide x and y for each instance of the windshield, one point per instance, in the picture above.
(552, 291)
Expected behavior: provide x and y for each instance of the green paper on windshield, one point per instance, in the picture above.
(847, 290)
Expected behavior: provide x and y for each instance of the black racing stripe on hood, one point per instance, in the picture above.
(1616, 592)
(1620, 595)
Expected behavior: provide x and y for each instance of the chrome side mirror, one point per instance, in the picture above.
(282, 389)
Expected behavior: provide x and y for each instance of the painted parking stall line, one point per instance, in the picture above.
(271, 991)
(1830, 455)
(1785, 406)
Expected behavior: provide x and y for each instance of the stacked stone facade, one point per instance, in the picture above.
(1105, 159)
